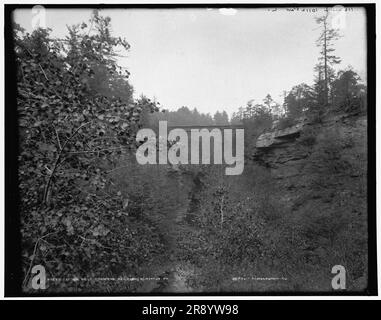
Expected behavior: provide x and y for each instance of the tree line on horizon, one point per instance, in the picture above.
(343, 90)
(331, 91)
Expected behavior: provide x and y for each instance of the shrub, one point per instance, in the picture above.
(69, 136)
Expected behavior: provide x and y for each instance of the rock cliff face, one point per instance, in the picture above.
(278, 137)
(334, 151)
(319, 176)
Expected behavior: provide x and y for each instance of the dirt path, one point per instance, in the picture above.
(177, 271)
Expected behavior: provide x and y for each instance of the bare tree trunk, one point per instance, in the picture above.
(46, 196)
(325, 64)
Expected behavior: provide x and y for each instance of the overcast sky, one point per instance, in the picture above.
(218, 59)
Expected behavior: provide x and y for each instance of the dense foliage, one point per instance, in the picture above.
(73, 124)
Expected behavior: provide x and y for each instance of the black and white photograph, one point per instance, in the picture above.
(190, 150)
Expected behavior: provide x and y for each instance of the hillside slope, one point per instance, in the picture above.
(319, 176)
